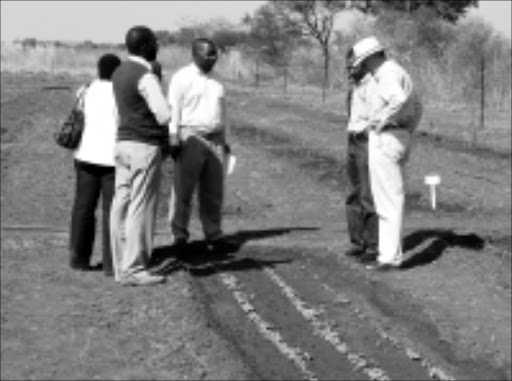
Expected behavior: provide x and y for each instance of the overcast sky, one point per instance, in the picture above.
(108, 21)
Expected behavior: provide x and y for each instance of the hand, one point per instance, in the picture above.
(372, 126)
(174, 152)
(174, 146)
(174, 140)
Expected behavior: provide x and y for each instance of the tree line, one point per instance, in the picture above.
(277, 27)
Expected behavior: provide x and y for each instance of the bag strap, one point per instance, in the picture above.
(79, 102)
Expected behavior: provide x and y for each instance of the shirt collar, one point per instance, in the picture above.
(198, 71)
(381, 68)
(141, 61)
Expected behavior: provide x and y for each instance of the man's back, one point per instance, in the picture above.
(395, 97)
(137, 121)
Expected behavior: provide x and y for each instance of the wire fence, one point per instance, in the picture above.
(475, 92)
(480, 96)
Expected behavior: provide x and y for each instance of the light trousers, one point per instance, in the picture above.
(132, 220)
(388, 152)
(200, 166)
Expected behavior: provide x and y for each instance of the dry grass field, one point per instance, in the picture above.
(445, 316)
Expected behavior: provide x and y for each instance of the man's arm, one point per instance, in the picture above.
(151, 91)
(393, 97)
(174, 100)
(348, 100)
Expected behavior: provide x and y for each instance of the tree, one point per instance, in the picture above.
(272, 35)
(315, 18)
(448, 10)
(226, 38)
(164, 37)
(29, 43)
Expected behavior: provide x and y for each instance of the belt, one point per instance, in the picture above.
(213, 136)
(393, 127)
(199, 131)
(358, 135)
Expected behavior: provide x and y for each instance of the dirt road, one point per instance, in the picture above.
(287, 304)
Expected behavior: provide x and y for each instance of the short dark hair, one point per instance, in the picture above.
(107, 64)
(137, 37)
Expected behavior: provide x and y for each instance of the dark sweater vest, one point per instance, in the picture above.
(137, 122)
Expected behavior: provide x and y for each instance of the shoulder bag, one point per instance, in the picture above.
(70, 132)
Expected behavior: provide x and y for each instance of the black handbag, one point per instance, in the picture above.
(70, 132)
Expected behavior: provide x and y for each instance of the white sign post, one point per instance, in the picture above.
(231, 162)
(432, 181)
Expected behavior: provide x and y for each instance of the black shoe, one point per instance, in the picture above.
(179, 248)
(354, 251)
(368, 257)
(82, 267)
(179, 243)
(222, 245)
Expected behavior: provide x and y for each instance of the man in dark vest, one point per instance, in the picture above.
(144, 115)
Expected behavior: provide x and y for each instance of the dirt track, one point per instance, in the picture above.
(287, 304)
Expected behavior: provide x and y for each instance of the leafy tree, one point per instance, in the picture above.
(226, 38)
(272, 34)
(315, 18)
(165, 37)
(449, 10)
(29, 43)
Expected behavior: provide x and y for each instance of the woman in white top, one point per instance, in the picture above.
(95, 168)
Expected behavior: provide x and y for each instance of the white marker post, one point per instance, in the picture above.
(432, 181)
(231, 162)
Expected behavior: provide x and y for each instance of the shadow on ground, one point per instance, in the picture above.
(441, 240)
(199, 260)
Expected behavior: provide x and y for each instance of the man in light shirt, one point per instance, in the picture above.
(394, 112)
(144, 115)
(197, 100)
(362, 219)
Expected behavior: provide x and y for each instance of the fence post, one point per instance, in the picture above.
(480, 125)
(257, 75)
(482, 92)
(285, 84)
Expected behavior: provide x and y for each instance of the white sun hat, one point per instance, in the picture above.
(365, 48)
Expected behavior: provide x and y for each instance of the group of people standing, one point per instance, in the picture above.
(131, 126)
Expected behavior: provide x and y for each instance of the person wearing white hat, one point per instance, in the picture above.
(362, 220)
(394, 112)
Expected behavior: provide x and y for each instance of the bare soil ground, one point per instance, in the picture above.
(287, 304)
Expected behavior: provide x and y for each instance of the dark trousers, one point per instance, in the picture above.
(199, 165)
(91, 182)
(361, 216)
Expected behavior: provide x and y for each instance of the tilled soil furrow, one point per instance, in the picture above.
(300, 328)
(397, 318)
(364, 333)
(285, 332)
(260, 355)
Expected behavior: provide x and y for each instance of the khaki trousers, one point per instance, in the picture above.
(132, 219)
(388, 153)
(198, 165)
